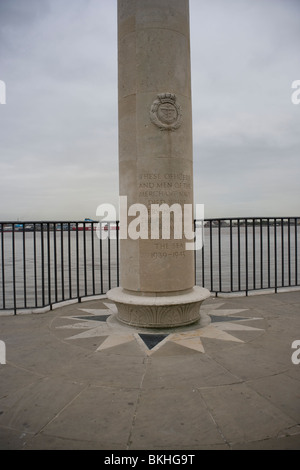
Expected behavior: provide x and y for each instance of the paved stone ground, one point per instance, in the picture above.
(75, 378)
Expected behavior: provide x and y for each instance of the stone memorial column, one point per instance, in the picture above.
(156, 161)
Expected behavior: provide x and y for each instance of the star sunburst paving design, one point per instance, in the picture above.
(102, 324)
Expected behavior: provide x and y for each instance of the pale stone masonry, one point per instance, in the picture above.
(155, 158)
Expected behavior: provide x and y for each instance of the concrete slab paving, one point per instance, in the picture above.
(280, 390)
(101, 414)
(107, 370)
(13, 439)
(293, 373)
(249, 362)
(173, 418)
(283, 443)
(243, 415)
(44, 441)
(88, 382)
(31, 408)
(206, 373)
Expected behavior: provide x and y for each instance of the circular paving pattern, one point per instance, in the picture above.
(100, 330)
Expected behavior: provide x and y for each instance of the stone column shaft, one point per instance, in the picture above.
(155, 136)
(156, 159)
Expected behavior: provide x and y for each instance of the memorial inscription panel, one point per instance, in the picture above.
(171, 189)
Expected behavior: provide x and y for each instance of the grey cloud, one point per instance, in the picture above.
(58, 130)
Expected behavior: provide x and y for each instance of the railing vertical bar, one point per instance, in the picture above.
(239, 255)
(101, 257)
(282, 253)
(261, 255)
(35, 266)
(24, 268)
(246, 256)
(62, 262)
(2, 265)
(296, 252)
(289, 251)
(231, 256)
(84, 259)
(275, 255)
(211, 257)
(14, 268)
(203, 253)
(220, 255)
(195, 256)
(93, 257)
(69, 260)
(254, 252)
(118, 254)
(49, 265)
(109, 257)
(42, 265)
(55, 262)
(77, 262)
(269, 254)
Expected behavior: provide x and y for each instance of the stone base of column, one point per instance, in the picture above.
(158, 310)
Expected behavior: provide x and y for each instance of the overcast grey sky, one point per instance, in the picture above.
(59, 126)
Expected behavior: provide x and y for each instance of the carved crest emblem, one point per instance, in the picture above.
(166, 113)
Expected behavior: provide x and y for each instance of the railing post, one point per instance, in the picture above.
(14, 269)
(2, 266)
(282, 252)
(93, 257)
(239, 254)
(261, 255)
(69, 259)
(101, 259)
(246, 257)
(203, 254)
(289, 251)
(35, 266)
(220, 255)
(296, 251)
(77, 263)
(231, 256)
(269, 255)
(49, 266)
(109, 257)
(211, 257)
(84, 259)
(275, 255)
(254, 253)
(62, 264)
(118, 254)
(42, 264)
(24, 267)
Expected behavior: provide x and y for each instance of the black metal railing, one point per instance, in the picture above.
(249, 254)
(45, 263)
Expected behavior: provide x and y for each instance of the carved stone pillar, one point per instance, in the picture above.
(156, 160)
